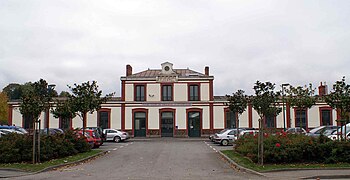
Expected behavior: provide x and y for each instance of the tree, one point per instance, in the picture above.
(265, 103)
(302, 98)
(64, 94)
(339, 99)
(237, 103)
(36, 98)
(3, 108)
(86, 98)
(64, 109)
(13, 91)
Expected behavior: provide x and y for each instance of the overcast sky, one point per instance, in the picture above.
(67, 42)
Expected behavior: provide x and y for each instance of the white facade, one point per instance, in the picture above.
(176, 103)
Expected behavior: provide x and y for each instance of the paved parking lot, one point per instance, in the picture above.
(161, 158)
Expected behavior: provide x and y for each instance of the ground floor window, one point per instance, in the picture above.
(194, 123)
(326, 116)
(270, 121)
(65, 123)
(301, 118)
(103, 119)
(27, 121)
(230, 119)
(139, 124)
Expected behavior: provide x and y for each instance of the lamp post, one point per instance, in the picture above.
(50, 89)
(284, 117)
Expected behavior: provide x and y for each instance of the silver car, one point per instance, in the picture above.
(115, 135)
(225, 136)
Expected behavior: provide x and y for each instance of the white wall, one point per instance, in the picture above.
(153, 118)
(153, 92)
(204, 91)
(180, 92)
(181, 118)
(129, 92)
(116, 118)
(219, 117)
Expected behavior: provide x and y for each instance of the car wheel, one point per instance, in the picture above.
(224, 142)
(117, 139)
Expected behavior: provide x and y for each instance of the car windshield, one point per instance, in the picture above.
(222, 131)
(315, 130)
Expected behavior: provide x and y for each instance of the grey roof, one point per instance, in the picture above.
(153, 73)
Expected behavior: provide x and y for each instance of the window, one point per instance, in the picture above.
(194, 92)
(28, 121)
(270, 122)
(103, 119)
(230, 119)
(64, 123)
(140, 92)
(300, 118)
(326, 117)
(167, 93)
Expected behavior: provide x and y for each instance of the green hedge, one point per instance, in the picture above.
(292, 148)
(19, 148)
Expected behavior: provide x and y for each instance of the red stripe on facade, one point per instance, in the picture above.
(47, 118)
(10, 115)
(288, 115)
(211, 90)
(211, 116)
(250, 115)
(122, 113)
(338, 117)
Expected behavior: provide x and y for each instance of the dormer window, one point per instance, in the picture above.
(167, 68)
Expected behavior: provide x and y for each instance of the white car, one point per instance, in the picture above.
(225, 136)
(115, 135)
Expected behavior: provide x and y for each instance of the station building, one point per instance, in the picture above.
(171, 102)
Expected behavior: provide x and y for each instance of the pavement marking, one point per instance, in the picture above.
(115, 149)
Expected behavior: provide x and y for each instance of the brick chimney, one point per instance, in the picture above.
(322, 89)
(128, 70)
(206, 70)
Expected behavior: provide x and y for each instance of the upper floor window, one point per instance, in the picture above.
(194, 92)
(140, 92)
(167, 93)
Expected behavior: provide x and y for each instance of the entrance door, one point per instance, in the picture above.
(194, 129)
(140, 124)
(167, 124)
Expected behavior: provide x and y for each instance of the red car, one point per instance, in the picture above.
(89, 139)
(96, 136)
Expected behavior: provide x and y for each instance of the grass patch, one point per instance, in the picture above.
(40, 166)
(247, 163)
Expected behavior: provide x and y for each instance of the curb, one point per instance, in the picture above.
(51, 167)
(238, 167)
(305, 169)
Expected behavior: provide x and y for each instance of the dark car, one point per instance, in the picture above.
(52, 131)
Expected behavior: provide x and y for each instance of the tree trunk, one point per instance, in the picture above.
(84, 123)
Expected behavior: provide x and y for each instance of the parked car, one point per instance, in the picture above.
(52, 131)
(251, 131)
(96, 136)
(115, 135)
(321, 130)
(211, 137)
(226, 136)
(8, 131)
(335, 136)
(16, 128)
(100, 131)
(90, 140)
(296, 130)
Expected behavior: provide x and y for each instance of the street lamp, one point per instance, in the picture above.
(284, 117)
(50, 89)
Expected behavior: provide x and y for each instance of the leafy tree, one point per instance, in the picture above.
(265, 103)
(237, 103)
(64, 94)
(3, 108)
(301, 98)
(339, 99)
(13, 91)
(86, 98)
(64, 109)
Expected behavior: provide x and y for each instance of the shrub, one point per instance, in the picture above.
(18, 147)
(283, 148)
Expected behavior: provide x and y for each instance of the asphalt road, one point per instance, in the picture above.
(151, 159)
